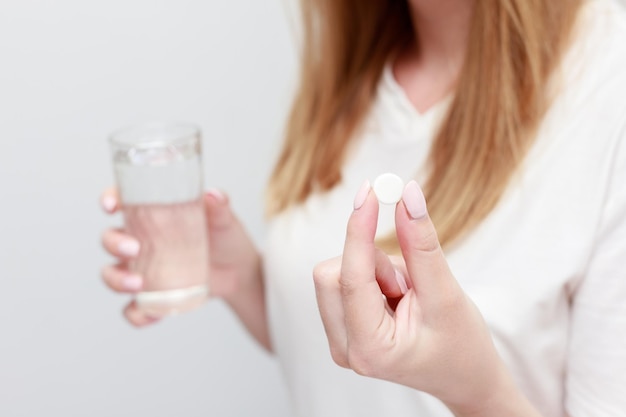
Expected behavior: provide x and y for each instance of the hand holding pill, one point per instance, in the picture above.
(388, 188)
(426, 334)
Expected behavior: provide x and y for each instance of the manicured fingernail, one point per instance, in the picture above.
(128, 247)
(401, 282)
(108, 203)
(414, 200)
(361, 196)
(132, 282)
(216, 194)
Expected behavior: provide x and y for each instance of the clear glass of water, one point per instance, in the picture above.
(158, 171)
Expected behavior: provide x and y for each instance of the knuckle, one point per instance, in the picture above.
(106, 273)
(112, 278)
(339, 357)
(108, 240)
(374, 360)
(131, 317)
(348, 287)
(134, 321)
(428, 255)
(105, 238)
(319, 273)
(325, 273)
(361, 363)
(426, 243)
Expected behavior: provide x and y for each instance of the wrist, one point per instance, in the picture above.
(247, 282)
(247, 301)
(503, 398)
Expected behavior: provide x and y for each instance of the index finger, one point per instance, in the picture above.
(110, 200)
(364, 307)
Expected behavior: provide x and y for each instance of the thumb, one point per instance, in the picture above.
(218, 212)
(420, 246)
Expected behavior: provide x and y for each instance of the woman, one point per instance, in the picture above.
(511, 114)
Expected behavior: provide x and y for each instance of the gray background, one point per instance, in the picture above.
(71, 71)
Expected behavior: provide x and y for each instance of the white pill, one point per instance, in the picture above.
(388, 188)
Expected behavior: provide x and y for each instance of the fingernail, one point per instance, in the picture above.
(132, 282)
(216, 194)
(401, 282)
(361, 196)
(414, 200)
(128, 247)
(108, 203)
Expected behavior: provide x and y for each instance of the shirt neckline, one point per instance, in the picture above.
(404, 103)
(398, 112)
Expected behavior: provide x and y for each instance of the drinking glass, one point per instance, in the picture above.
(158, 171)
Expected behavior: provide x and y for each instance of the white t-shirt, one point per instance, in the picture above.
(547, 268)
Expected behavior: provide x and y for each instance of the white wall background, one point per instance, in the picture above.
(71, 71)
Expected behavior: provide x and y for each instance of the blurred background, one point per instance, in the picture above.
(71, 72)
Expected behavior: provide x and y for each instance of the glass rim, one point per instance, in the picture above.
(130, 136)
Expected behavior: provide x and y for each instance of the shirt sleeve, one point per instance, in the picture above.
(596, 367)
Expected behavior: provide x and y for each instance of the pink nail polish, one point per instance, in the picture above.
(129, 248)
(108, 203)
(216, 194)
(132, 283)
(361, 196)
(414, 200)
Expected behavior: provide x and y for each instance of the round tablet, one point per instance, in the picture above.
(388, 188)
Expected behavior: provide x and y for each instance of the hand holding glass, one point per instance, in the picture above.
(159, 176)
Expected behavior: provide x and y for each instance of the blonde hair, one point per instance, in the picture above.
(500, 98)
